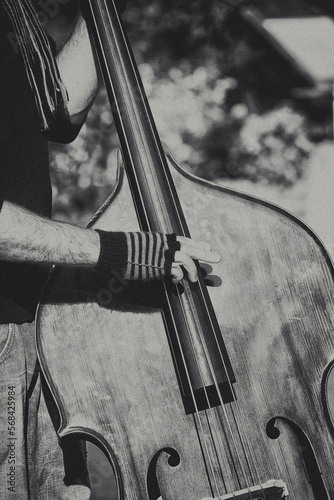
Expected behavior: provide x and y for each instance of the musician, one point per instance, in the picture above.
(48, 80)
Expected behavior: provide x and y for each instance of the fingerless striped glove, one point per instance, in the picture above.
(137, 256)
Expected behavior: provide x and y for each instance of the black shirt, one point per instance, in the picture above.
(24, 173)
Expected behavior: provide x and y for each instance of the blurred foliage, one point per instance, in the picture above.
(220, 98)
(272, 147)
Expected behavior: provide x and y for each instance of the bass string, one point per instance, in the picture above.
(202, 339)
(211, 414)
(240, 431)
(171, 191)
(210, 466)
(207, 416)
(199, 413)
(242, 441)
(223, 406)
(227, 418)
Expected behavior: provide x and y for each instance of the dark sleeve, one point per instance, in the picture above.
(62, 130)
(1, 203)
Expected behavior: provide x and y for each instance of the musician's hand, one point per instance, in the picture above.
(191, 249)
(144, 256)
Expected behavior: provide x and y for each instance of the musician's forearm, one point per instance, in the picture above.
(79, 72)
(26, 237)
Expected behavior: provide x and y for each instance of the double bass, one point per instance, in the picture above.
(215, 389)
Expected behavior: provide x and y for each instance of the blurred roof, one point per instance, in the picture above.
(300, 31)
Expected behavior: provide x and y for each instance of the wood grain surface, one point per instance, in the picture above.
(110, 370)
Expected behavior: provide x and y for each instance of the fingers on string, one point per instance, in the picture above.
(182, 251)
(182, 259)
(200, 250)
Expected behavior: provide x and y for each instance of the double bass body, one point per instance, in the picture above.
(113, 377)
(104, 346)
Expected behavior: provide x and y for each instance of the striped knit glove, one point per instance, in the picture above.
(137, 256)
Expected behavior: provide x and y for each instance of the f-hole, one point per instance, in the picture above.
(152, 480)
(102, 477)
(310, 462)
